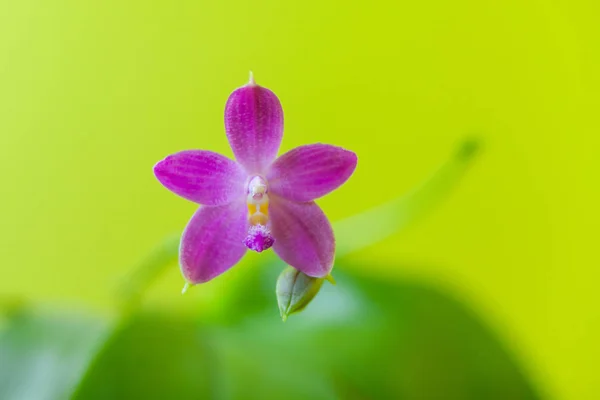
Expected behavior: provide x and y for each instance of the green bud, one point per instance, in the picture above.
(295, 290)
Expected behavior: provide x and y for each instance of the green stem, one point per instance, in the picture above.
(363, 230)
(147, 271)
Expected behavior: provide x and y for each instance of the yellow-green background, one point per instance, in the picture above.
(92, 94)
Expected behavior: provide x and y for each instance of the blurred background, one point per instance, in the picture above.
(492, 293)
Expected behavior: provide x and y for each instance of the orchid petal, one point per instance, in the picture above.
(309, 172)
(303, 236)
(202, 176)
(212, 242)
(254, 126)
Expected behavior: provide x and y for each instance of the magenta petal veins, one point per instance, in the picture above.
(212, 242)
(202, 176)
(303, 236)
(254, 126)
(309, 172)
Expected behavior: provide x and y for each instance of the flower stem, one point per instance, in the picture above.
(362, 230)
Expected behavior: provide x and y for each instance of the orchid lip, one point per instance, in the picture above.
(259, 238)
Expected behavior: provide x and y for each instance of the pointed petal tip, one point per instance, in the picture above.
(157, 168)
(353, 156)
(351, 159)
(324, 274)
(251, 81)
(160, 171)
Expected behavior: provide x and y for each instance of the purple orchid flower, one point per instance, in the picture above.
(257, 201)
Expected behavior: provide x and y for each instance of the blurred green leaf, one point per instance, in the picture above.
(153, 356)
(362, 339)
(372, 226)
(42, 356)
(366, 338)
(147, 271)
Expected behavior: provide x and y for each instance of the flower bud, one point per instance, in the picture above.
(295, 290)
